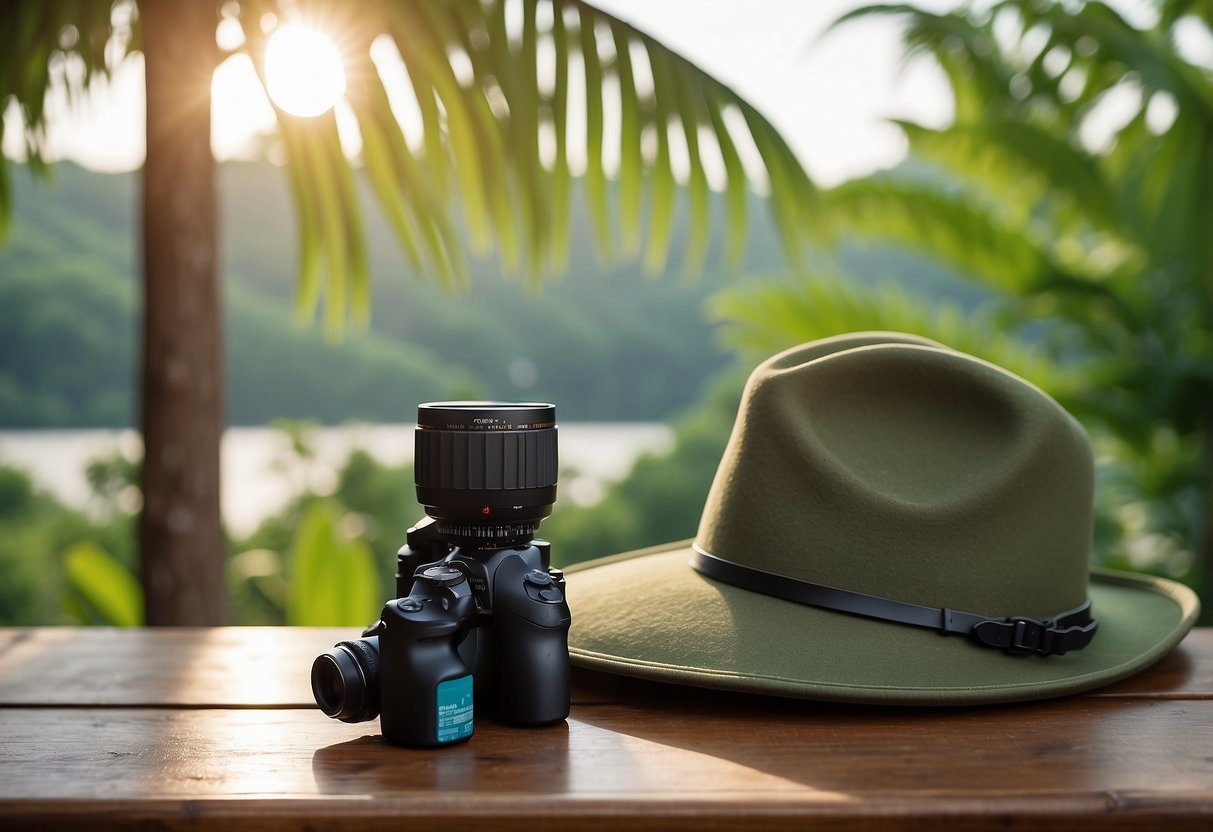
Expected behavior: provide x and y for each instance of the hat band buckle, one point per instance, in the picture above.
(1016, 635)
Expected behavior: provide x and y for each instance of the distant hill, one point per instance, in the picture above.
(603, 343)
(608, 344)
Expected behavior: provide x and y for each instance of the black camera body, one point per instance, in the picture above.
(480, 616)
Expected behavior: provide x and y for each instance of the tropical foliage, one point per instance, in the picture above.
(494, 142)
(324, 559)
(512, 99)
(1075, 185)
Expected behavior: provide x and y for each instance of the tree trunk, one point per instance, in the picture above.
(1204, 566)
(181, 546)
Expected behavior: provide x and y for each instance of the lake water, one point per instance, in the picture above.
(260, 473)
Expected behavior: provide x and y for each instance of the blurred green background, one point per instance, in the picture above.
(1035, 229)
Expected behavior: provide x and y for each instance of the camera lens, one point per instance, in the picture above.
(345, 680)
(486, 471)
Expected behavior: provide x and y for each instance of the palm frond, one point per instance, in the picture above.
(595, 173)
(631, 172)
(481, 155)
(692, 115)
(735, 188)
(661, 222)
(947, 222)
(561, 175)
(960, 44)
(764, 318)
(1113, 44)
(38, 40)
(1024, 165)
(479, 172)
(1172, 11)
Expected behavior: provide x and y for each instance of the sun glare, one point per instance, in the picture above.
(303, 70)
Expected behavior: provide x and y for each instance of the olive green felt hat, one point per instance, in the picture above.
(892, 522)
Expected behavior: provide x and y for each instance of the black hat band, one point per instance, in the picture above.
(1017, 635)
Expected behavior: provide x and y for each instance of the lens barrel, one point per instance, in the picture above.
(486, 471)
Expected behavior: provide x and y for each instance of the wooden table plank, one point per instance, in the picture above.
(522, 812)
(215, 729)
(197, 667)
(1053, 760)
(269, 667)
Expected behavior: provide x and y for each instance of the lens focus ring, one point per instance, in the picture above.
(486, 471)
(492, 461)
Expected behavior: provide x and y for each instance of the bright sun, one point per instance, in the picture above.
(303, 70)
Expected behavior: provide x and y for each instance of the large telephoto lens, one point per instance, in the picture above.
(486, 471)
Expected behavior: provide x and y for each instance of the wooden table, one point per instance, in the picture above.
(216, 729)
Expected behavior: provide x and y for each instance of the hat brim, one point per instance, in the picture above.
(648, 614)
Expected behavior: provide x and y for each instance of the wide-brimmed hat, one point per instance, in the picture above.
(892, 522)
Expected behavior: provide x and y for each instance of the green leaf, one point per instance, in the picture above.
(697, 186)
(405, 183)
(945, 223)
(332, 575)
(782, 195)
(961, 47)
(436, 159)
(102, 586)
(308, 231)
(357, 270)
(595, 176)
(517, 161)
(630, 163)
(735, 186)
(1021, 164)
(420, 41)
(661, 214)
(323, 181)
(524, 124)
(29, 44)
(464, 27)
(5, 195)
(561, 176)
(765, 318)
(1151, 55)
(380, 146)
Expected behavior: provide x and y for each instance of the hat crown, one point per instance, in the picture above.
(889, 465)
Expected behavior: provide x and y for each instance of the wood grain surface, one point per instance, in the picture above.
(215, 729)
(268, 667)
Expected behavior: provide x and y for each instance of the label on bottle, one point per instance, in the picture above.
(455, 709)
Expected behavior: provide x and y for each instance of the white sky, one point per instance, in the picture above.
(829, 97)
